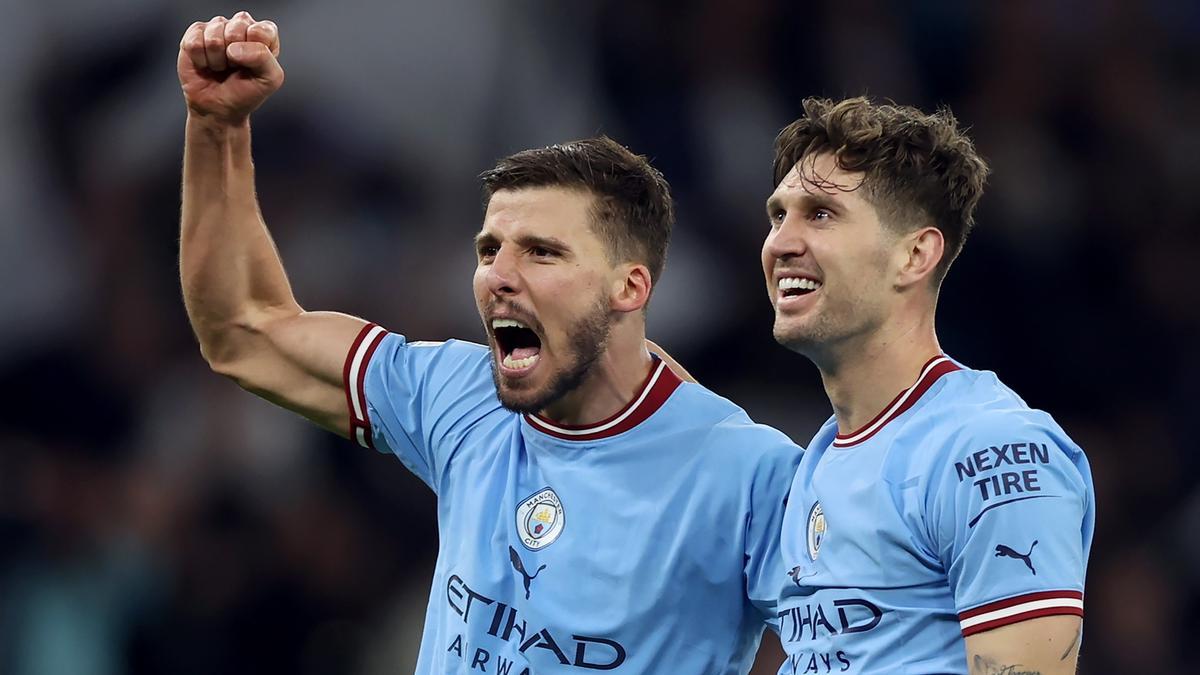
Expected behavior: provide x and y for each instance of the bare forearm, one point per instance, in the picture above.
(237, 295)
(230, 270)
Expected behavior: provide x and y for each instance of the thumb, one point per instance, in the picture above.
(253, 56)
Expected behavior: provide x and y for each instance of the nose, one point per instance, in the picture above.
(787, 240)
(503, 278)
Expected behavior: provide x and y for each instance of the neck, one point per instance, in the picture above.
(612, 383)
(863, 374)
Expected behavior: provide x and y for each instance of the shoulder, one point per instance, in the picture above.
(462, 348)
(723, 429)
(447, 376)
(395, 350)
(983, 432)
(976, 410)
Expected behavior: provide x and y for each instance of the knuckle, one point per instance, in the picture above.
(214, 42)
(263, 36)
(192, 31)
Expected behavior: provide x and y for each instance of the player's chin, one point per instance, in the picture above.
(521, 398)
(792, 333)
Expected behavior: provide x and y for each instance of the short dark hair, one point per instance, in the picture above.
(632, 212)
(919, 168)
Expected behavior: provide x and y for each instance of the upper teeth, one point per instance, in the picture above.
(788, 283)
(507, 323)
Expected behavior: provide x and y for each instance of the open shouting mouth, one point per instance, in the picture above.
(519, 348)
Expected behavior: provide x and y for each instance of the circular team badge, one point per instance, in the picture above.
(540, 519)
(816, 530)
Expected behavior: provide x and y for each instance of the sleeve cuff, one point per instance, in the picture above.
(354, 377)
(1020, 608)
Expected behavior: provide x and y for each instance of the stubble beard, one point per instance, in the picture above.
(820, 336)
(806, 338)
(588, 339)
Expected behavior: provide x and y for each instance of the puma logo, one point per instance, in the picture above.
(1003, 551)
(794, 573)
(520, 567)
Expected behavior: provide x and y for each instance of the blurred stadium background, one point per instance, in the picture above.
(156, 519)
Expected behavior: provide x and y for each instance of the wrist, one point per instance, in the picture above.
(216, 124)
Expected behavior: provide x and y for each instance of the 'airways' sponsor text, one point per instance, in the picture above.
(504, 623)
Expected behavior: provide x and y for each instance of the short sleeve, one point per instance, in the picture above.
(416, 399)
(764, 566)
(1013, 513)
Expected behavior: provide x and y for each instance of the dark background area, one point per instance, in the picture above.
(156, 519)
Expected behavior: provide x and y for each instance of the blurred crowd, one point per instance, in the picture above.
(156, 519)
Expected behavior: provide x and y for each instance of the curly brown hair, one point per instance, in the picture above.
(918, 169)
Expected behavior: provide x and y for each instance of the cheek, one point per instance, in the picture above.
(553, 286)
(865, 276)
(564, 295)
(479, 285)
(586, 282)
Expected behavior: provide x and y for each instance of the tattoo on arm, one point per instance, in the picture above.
(986, 666)
(1074, 643)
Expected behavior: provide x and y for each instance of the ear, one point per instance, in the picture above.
(918, 254)
(631, 291)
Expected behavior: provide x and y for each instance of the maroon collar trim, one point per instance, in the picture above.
(931, 372)
(654, 392)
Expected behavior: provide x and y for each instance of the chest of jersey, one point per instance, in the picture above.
(864, 521)
(861, 571)
(567, 558)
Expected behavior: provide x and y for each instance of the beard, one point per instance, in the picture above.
(588, 338)
(806, 338)
(837, 324)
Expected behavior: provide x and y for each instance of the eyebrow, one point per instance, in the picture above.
(526, 240)
(807, 201)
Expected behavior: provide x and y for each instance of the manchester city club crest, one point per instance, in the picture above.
(540, 519)
(816, 530)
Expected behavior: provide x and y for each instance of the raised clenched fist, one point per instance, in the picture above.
(228, 67)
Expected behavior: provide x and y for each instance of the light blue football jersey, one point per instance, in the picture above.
(646, 543)
(957, 510)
